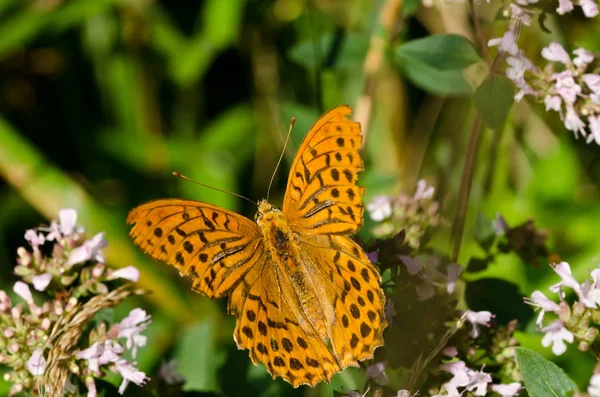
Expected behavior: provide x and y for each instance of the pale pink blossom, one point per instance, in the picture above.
(377, 373)
(91, 386)
(511, 389)
(564, 6)
(478, 318)
(520, 15)
(100, 353)
(589, 8)
(478, 381)
(35, 239)
(539, 301)
(41, 281)
(566, 86)
(453, 271)
(380, 208)
(130, 328)
(592, 81)
(594, 387)
(36, 365)
(130, 273)
(573, 122)
(557, 335)
(413, 265)
(553, 102)
(556, 53)
(91, 249)
(583, 58)
(507, 43)
(594, 124)
(129, 374)
(451, 351)
(68, 218)
(23, 291)
(424, 191)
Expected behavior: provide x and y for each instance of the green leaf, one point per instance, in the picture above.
(199, 356)
(435, 81)
(411, 7)
(493, 100)
(483, 294)
(542, 377)
(484, 232)
(441, 52)
(353, 51)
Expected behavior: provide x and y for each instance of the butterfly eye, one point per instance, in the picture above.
(257, 216)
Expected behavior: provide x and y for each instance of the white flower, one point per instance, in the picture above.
(594, 387)
(424, 191)
(130, 273)
(34, 238)
(512, 389)
(101, 353)
(507, 43)
(413, 265)
(67, 217)
(478, 381)
(23, 291)
(129, 374)
(573, 122)
(589, 8)
(564, 6)
(91, 249)
(461, 375)
(583, 58)
(539, 300)
(36, 363)
(556, 53)
(377, 373)
(557, 335)
(592, 81)
(91, 386)
(566, 86)
(380, 208)
(478, 318)
(500, 225)
(520, 15)
(130, 328)
(42, 281)
(594, 123)
(552, 102)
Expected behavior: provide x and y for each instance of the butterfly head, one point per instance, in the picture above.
(266, 212)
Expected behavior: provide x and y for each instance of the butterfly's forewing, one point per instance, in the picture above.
(322, 196)
(215, 246)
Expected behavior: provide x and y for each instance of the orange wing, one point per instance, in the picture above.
(215, 246)
(322, 196)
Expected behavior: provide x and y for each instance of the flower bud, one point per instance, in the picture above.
(14, 389)
(564, 312)
(13, 347)
(71, 304)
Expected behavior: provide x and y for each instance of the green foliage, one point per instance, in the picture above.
(542, 377)
(493, 100)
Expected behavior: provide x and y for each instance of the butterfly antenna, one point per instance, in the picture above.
(281, 157)
(177, 174)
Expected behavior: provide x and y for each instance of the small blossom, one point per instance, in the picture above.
(566, 86)
(373, 256)
(91, 386)
(461, 375)
(380, 208)
(557, 335)
(592, 81)
(413, 265)
(42, 281)
(130, 328)
(68, 218)
(500, 225)
(23, 291)
(100, 353)
(594, 387)
(89, 250)
(388, 311)
(556, 53)
(451, 351)
(129, 374)
(34, 238)
(583, 58)
(424, 191)
(539, 300)
(589, 8)
(168, 372)
(36, 363)
(130, 273)
(552, 102)
(573, 122)
(478, 318)
(478, 381)
(512, 389)
(564, 6)
(377, 373)
(507, 43)
(594, 124)
(453, 271)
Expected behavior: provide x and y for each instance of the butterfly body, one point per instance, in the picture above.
(306, 298)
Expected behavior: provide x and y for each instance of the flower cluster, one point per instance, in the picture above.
(416, 214)
(573, 321)
(39, 341)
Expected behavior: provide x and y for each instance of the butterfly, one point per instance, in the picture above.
(306, 297)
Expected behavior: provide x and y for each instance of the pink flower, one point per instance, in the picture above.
(594, 123)
(36, 365)
(566, 86)
(424, 191)
(553, 102)
(130, 273)
(557, 335)
(373, 256)
(380, 208)
(34, 238)
(67, 217)
(507, 43)
(450, 351)
(100, 353)
(413, 265)
(129, 374)
(583, 58)
(592, 81)
(377, 373)
(23, 291)
(556, 53)
(453, 271)
(573, 122)
(42, 281)
(130, 328)
(91, 386)
(589, 8)
(478, 318)
(564, 6)
(594, 387)
(478, 381)
(90, 249)
(539, 301)
(512, 389)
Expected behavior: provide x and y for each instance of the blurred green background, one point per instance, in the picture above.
(100, 100)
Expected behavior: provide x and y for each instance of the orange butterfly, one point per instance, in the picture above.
(306, 297)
